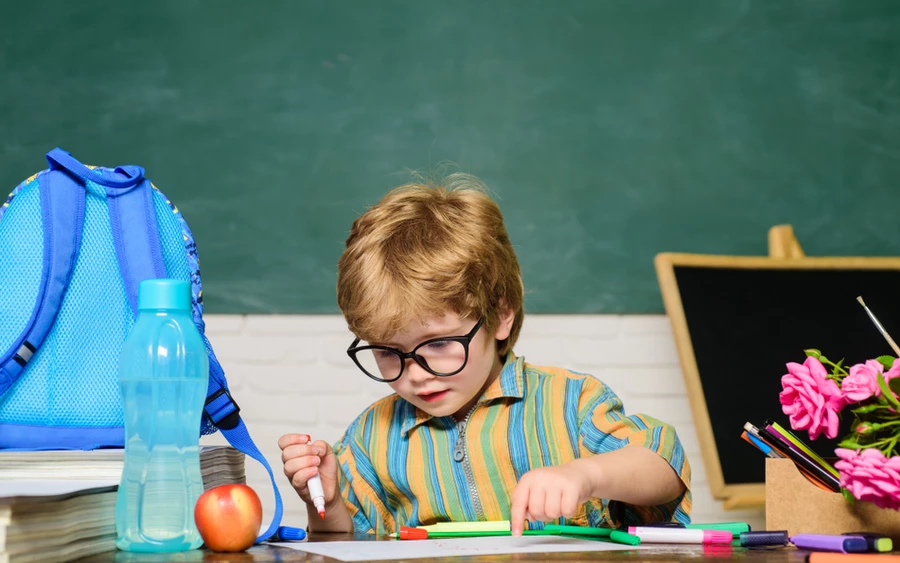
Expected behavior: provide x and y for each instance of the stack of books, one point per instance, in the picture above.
(47, 520)
(61, 505)
(218, 465)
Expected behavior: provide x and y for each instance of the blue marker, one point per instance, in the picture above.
(287, 533)
(764, 447)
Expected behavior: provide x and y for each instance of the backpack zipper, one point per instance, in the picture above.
(459, 454)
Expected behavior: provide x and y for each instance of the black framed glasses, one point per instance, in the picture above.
(443, 356)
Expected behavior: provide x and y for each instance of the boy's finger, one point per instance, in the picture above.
(536, 500)
(569, 504)
(290, 439)
(298, 450)
(323, 446)
(301, 477)
(518, 508)
(552, 502)
(294, 465)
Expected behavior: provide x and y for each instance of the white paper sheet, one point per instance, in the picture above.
(417, 549)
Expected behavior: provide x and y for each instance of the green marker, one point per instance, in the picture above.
(736, 528)
(476, 534)
(616, 536)
(619, 536)
(579, 530)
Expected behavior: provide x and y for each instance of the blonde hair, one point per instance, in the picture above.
(427, 249)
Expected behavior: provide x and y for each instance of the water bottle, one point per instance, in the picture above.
(163, 375)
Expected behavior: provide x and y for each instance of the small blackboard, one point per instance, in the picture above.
(738, 320)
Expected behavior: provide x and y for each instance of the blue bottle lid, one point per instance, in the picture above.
(164, 294)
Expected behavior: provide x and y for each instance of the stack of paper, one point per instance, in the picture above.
(218, 465)
(47, 521)
(60, 505)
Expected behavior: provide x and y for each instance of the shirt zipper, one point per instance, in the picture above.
(459, 454)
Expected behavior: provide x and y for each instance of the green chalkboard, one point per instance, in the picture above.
(609, 130)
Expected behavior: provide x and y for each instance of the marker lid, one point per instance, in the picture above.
(764, 538)
(822, 542)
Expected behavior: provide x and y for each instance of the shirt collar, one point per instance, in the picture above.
(510, 384)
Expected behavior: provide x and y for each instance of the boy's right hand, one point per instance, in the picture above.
(303, 459)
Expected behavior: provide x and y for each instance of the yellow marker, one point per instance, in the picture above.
(794, 440)
(490, 526)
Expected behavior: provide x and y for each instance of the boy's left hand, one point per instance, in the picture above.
(547, 493)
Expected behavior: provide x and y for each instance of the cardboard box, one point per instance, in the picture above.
(794, 504)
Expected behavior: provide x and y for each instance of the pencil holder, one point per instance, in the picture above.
(795, 504)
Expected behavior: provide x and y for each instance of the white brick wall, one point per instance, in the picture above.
(290, 373)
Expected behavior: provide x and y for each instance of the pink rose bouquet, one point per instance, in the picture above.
(816, 393)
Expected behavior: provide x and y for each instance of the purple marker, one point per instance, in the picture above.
(822, 542)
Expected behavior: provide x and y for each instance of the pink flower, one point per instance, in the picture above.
(810, 400)
(870, 476)
(894, 371)
(862, 382)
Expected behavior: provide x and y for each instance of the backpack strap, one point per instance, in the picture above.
(135, 232)
(135, 236)
(62, 216)
(224, 412)
(132, 219)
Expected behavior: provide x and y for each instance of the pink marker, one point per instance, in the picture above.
(680, 535)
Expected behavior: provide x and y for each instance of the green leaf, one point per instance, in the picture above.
(886, 361)
(813, 353)
(894, 384)
(850, 443)
(888, 394)
(848, 496)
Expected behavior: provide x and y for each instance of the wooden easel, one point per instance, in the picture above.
(785, 252)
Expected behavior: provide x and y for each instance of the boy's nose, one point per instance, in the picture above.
(417, 373)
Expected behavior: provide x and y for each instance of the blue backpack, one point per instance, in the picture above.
(75, 242)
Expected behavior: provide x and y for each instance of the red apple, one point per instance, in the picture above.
(228, 517)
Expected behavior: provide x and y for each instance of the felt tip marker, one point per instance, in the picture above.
(829, 557)
(316, 492)
(823, 542)
(680, 535)
(876, 543)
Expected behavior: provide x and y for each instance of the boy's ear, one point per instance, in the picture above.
(504, 322)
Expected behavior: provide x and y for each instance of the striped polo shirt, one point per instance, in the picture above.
(400, 466)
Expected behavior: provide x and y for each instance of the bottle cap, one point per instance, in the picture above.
(164, 294)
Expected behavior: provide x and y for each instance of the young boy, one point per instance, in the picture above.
(431, 287)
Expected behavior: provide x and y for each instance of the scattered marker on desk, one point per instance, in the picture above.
(825, 542)
(828, 557)
(735, 528)
(411, 533)
(478, 526)
(287, 533)
(766, 538)
(875, 542)
(680, 535)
